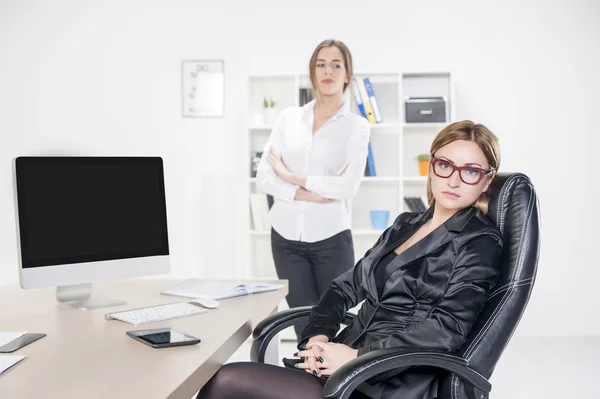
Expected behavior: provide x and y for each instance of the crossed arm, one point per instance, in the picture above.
(302, 194)
(275, 178)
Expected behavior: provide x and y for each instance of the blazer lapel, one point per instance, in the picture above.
(400, 234)
(439, 237)
(404, 231)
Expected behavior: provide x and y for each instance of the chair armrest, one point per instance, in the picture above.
(271, 325)
(345, 380)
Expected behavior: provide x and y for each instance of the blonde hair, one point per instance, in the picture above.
(345, 54)
(478, 134)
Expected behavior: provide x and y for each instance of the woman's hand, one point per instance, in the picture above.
(303, 194)
(279, 167)
(310, 360)
(327, 356)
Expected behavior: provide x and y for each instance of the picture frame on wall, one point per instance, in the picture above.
(203, 88)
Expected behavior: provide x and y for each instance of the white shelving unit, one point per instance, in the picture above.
(395, 145)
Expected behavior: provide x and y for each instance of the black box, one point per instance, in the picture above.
(425, 109)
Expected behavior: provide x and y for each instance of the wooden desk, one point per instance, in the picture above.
(86, 356)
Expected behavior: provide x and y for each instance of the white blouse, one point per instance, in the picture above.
(341, 141)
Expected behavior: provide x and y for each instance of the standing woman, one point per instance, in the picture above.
(314, 160)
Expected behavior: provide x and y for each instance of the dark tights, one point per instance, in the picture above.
(263, 381)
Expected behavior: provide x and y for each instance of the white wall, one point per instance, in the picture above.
(104, 78)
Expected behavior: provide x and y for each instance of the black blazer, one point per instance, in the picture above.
(431, 297)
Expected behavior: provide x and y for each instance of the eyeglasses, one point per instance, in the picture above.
(468, 174)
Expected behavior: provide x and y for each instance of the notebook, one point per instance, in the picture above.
(200, 288)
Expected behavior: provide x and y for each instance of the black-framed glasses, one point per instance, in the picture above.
(468, 174)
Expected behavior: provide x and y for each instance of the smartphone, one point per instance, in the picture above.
(163, 337)
(20, 342)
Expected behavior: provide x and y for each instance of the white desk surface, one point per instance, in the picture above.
(86, 356)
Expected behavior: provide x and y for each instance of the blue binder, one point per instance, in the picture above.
(370, 168)
(370, 163)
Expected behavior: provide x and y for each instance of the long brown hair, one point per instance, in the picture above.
(347, 61)
(478, 134)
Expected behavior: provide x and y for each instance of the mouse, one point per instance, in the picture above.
(205, 303)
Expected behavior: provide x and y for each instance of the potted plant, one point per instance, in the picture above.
(269, 111)
(423, 164)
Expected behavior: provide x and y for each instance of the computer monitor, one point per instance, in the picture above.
(82, 220)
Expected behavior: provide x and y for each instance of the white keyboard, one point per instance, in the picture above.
(156, 313)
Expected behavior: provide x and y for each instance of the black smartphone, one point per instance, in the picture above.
(163, 337)
(20, 342)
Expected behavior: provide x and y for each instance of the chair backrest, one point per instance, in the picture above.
(515, 210)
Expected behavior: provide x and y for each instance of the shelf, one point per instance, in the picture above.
(260, 127)
(415, 126)
(377, 78)
(381, 179)
(385, 125)
(415, 179)
(421, 74)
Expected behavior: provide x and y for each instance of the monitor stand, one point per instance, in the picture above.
(80, 296)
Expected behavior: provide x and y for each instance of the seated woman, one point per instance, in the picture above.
(423, 283)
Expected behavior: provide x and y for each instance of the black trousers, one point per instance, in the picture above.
(311, 267)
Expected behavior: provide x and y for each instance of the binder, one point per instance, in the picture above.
(415, 204)
(365, 100)
(359, 101)
(305, 96)
(370, 166)
(373, 100)
(370, 162)
(410, 205)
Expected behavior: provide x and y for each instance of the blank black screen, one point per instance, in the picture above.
(84, 209)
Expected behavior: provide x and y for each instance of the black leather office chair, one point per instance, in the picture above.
(464, 374)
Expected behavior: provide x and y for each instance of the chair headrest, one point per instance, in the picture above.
(513, 207)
